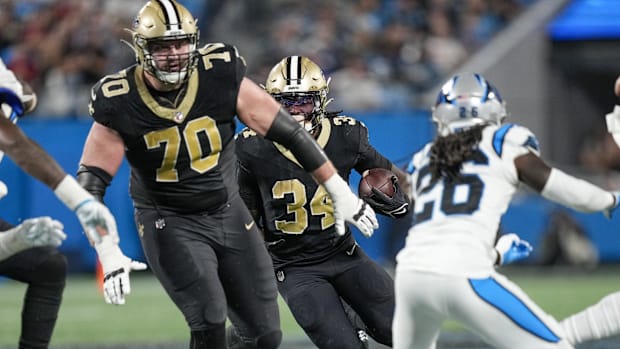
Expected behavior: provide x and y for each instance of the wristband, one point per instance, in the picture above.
(71, 193)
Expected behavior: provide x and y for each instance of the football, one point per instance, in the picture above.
(378, 178)
(30, 97)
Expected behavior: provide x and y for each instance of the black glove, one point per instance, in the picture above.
(396, 206)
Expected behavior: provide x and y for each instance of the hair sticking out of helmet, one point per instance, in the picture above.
(467, 100)
(165, 38)
(300, 86)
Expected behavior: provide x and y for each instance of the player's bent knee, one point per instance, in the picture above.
(51, 270)
(270, 340)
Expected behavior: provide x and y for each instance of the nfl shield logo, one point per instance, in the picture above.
(280, 275)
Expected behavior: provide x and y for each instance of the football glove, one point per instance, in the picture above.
(11, 90)
(32, 232)
(396, 206)
(613, 123)
(614, 207)
(4, 190)
(349, 208)
(116, 268)
(511, 248)
(100, 227)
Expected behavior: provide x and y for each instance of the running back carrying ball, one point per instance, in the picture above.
(378, 178)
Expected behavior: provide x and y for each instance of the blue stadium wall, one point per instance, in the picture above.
(396, 135)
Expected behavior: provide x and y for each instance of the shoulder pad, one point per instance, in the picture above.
(212, 52)
(340, 120)
(513, 135)
(103, 91)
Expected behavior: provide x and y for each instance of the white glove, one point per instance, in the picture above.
(4, 190)
(11, 90)
(511, 248)
(116, 268)
(349, 208)
(614, 207)
(613, 123)
(100, 228)
(97, 221)
(33, 232)
(95, 218)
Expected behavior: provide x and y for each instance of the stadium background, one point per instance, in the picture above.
(554, 61)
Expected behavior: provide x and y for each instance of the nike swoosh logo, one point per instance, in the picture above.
(249, 226)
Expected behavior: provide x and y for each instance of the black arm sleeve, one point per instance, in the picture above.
(94, 179)
(249, 192)
(288, 132)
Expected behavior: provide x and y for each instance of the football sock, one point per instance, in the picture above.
(601, 320)
(211, 338)
(41, 305)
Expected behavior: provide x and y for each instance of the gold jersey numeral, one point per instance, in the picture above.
(320, 205)
(170, 139)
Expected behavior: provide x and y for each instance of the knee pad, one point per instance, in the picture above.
(270, 340)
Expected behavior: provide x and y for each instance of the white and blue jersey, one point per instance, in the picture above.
(446, 269)
(456, 222)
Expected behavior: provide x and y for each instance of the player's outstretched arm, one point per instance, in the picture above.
(557, 186)
(259, 111)
(103, 152)
(94, 217)
(32, 232)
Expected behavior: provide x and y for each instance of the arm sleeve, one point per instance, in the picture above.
(369, 156)
(576, 193)
(248, 190)
(288, 132)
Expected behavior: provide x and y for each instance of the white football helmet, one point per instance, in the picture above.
(160, 21)
(296, 80)
(466, 100)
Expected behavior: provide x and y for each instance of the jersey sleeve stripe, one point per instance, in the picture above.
(498, 138)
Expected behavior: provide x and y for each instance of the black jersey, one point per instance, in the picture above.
(182, 158)
(296, 213)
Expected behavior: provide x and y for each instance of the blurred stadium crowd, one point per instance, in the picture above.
(380, 53)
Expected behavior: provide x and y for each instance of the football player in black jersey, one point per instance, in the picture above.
(172, 115)
(28, 251)
(314, 265)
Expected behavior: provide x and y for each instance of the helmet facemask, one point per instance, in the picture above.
(172, 68)
(299, 85)
(165, 39)
(306, 104)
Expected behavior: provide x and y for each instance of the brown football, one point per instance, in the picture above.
(378, 178)
(30, 97)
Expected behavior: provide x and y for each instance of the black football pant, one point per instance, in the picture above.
(313, 294)
(44, 269)
(214, 265)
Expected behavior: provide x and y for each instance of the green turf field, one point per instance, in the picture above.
(149, 316)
